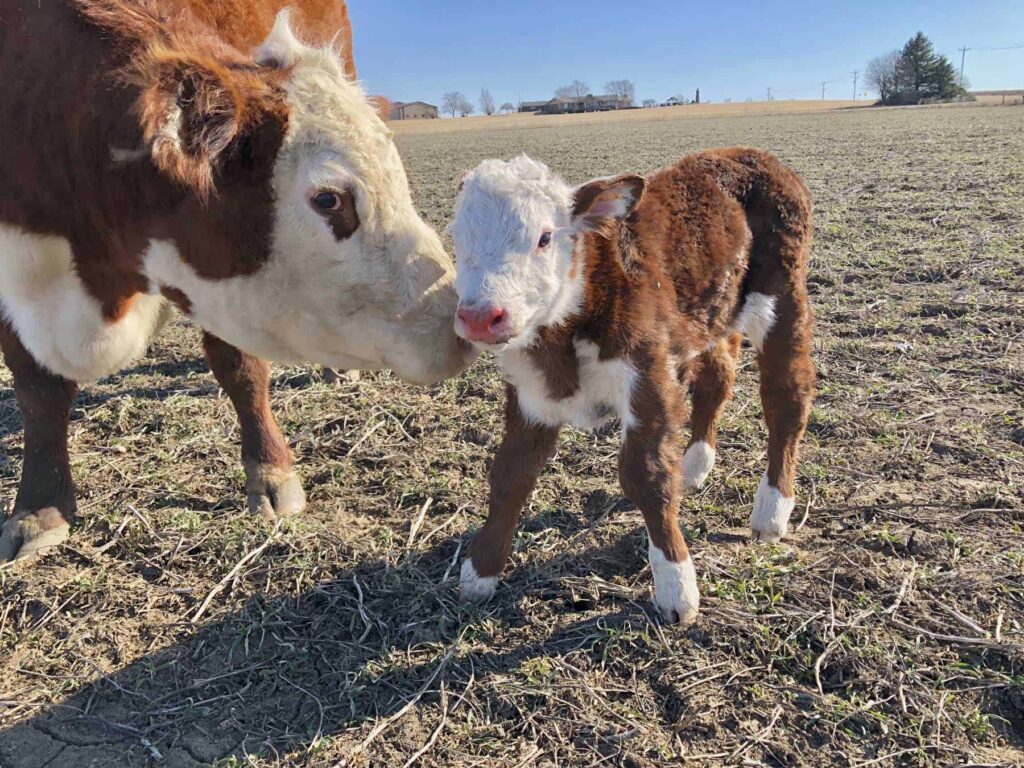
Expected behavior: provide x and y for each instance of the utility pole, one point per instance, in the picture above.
(823, 84)
(963, 55)
(769, 93)
(855, 73)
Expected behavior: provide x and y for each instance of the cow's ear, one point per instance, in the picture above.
(282, 48)
(462, 180)
(599, 202)
(191, 108)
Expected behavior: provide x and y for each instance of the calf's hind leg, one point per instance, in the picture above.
(712, 389)
(45, 504)
(787, 391)
(273, 489)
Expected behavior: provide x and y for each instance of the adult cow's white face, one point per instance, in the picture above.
(517, 247)
(354, 278)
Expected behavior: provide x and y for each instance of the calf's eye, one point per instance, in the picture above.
(545, 240)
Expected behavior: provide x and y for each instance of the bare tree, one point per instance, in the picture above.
(623, 90)
(648, 103)
(881, 74)
(451, 102)
(465, 106)
(576, 89)
(507, 107)
(486, 102)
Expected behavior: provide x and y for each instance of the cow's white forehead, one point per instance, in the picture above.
(331, 117)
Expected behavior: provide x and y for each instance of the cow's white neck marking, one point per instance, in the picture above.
(58, 321)
(605, 389)
(258, 312)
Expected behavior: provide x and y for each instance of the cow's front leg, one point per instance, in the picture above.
(273, 488)
(650, 473)
(527, 447)
(45, 504)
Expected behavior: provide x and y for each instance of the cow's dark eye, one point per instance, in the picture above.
(326, 202)
(545, 240)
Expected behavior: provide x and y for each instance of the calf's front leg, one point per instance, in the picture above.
(273, 488)
(524, 452)
(45, 505)
(649, 470)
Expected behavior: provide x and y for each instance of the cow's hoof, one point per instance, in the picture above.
(28, 535)
(475, 588)
(769, 521)
(676, 595)
(698, 461)
(274, 492)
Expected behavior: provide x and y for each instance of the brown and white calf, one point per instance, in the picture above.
(159, 151)
(617, 298)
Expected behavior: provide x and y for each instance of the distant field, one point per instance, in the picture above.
(888, 632)
(683, 112)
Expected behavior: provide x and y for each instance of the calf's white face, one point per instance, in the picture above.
(517, 241)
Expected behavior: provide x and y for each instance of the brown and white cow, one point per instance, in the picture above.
(615, 299)
(156, 151)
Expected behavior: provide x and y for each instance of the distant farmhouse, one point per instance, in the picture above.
(413, 110)
(571, 104)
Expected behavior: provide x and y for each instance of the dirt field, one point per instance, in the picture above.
(176, 631)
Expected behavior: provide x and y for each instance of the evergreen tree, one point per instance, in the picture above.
(920, 74)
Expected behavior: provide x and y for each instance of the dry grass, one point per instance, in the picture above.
(655, 114)
(888, 632)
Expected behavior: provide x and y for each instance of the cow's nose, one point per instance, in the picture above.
(486, 324)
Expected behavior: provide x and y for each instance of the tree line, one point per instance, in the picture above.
(914, 74)
(456, 103)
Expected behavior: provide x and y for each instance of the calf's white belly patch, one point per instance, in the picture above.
(59, 322)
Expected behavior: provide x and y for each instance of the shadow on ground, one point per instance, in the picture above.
(279, 675)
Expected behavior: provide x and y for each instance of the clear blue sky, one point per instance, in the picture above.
(418, 49)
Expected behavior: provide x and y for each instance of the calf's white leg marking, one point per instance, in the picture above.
(769, 520)
(476, 588)
(675, 587)
(698, 462)
(756, 318)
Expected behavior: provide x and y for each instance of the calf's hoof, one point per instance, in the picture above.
(274, 492)
(28, 535)
(475, 588)
(676, 595)
(769, 521)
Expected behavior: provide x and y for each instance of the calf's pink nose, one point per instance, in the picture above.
(486, 324)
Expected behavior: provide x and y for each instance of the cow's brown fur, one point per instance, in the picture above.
(58, 124)
(663, 289)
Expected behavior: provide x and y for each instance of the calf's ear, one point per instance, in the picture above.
(192, 107)
(600, 202)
